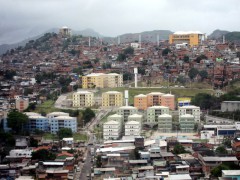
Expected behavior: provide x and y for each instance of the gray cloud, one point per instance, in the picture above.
(21, 19)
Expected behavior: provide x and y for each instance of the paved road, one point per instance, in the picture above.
(86, 169)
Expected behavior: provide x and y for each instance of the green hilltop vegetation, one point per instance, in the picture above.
(233, 36)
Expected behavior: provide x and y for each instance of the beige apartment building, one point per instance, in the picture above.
(83, 99)
(112, 99)
(101, 80)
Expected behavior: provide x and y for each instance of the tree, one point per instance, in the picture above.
(203, 74)
(179, 149)
(186, 59)
(129, 50)
(8, 74)
(43, 155)
(99, 161)
(217, 171)
(141, 70)
(16, 120)
(221, 150)
(166, 51)
(33, 142)
(64, 133)
(88, 114)
(199, 58)
(78, 70)
(205, 101)
(121, 57)
(193, 72)
(181, 79)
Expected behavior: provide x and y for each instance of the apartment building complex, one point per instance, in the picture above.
(133, 128)
(192, 110)
(112, 99)
(126, 111)
(83, 99)
(63, 122)
(155, 111)
(192, 38)
(187, 123)
(142, 102)
(101, 80)
(112, 130)
(165, 123)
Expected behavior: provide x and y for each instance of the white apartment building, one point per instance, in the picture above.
(136, 117)
(165, 123)
(20, 153)
(187, 122)
(83, 99)
(63, 122)
(193, 110)
(111, 130)
(155, 111)
(125, 111)
(133, 128)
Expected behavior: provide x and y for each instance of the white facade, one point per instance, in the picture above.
(20, 153)
(63, 122)
(193, 110)
(133, 128)
(230, 106)
(83, 99)
(165, 123)
(136, 117)
(111, 130)
(187, 122)
(125, 111)
(154, 111)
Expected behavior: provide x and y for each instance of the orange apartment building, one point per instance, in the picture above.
(142, 102)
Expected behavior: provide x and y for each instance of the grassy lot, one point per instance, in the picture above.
(76, 136)
(80, 137)
(47, 107)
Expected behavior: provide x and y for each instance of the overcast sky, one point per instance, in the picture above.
(21, 19)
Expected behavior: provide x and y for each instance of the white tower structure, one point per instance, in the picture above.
(89, 42)
(119, 40)
(158, 40)
(139, 40)
(223, 39)
(126, 97)
(136, 74)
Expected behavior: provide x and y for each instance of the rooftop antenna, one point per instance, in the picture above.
(89, 42)
(126, 97)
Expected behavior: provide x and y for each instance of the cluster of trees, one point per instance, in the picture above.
(205, 101)
(127, 52)
(9, 74)
(45, 76)
(87, 64)
(17, 120)
(179, 149)
(166, 51)
(193, 72)
(87, 115)
(106, 65)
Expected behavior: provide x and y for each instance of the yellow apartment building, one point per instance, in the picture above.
(83, 99)
(112, 98)
(192, 38)
(101, 80)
